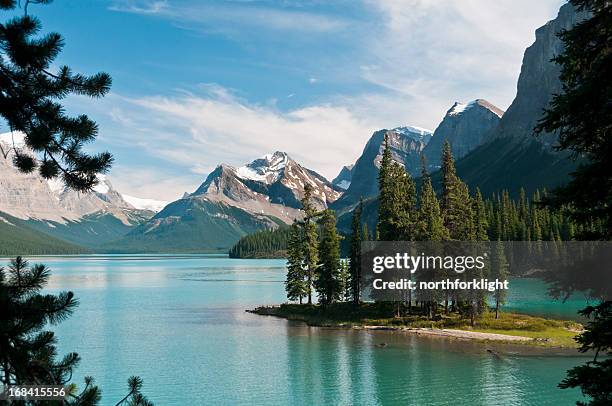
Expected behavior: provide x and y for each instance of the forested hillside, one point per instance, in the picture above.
(18, 239)
(262, 244)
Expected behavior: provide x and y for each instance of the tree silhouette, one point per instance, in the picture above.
(30, 96)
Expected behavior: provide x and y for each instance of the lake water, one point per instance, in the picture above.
(179, 323)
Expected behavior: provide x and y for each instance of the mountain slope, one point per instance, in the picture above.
(514, 157)
(192, 225)
(509, 163)
(229, 204)
(465, 126)
(343, 180)
(406, 145)
(18, 239)
(85, 219)
(539, 78)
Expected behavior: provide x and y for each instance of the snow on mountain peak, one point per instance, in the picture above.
(418, 134)
(266, 169)
(409, 129)
(458, 108)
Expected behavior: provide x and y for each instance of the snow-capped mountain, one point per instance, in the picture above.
(267, 169)
(465, 126)
(230, 203)
(50, 207)
(275, 179)
(406, 144)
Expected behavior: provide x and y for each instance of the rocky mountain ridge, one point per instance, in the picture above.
(230, 203)
(465, 126)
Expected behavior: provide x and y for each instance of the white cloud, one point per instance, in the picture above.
(421, 55)
(196, 132)
(150, 182)
(441, 51)
(224, 17)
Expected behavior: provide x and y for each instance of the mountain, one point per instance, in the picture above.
(514, 157)
(85, 219)
(406, 143)
(465, 126)
(539, 77)
(17, 238)
(230, 203)
(511, 157)
(343, 180)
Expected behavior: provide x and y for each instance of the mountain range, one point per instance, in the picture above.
(493, 149)
(230, 203)
(85, 219)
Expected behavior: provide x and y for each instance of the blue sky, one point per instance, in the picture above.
(199, 82)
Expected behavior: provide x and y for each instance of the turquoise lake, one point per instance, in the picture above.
(179, 323)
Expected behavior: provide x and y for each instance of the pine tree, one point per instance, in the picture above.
(345, 281)
(365, 235)
(464, 227)
(431, 224)
(328, 281)
(593, 378)
(310, 244)
(295, 285)
(499, 270)
(384, 228)
(355, 255)
(30, 98)
(450, 204)
(481, 224)
(404, 219)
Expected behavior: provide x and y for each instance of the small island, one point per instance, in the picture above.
(507, 328)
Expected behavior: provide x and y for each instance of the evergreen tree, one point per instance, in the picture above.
(384, 227)
(345, 281)
(464, 227)
(355, 255)
(30, 95)
(403, 220)
(328, 281)
(310, 242)
(397, 218)
(295, 285)
(27, 350)
(431, 224)
(499, 270)
(481, 224)
(365, 235)
(450, 203)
